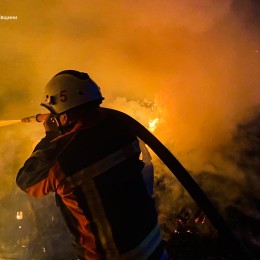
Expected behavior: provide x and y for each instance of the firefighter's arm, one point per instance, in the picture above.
(34, 177)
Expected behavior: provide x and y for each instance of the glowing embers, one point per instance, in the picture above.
(200, 219)
(187, 222)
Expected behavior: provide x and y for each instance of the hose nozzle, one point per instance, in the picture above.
(36, 118)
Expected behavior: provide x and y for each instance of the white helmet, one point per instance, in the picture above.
(69, 89)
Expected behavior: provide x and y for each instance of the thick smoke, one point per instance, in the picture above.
(191, 64)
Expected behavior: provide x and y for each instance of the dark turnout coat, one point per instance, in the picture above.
(96, 174)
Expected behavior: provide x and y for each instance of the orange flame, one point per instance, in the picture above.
(153, 124)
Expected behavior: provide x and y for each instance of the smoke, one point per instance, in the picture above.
(191, 64)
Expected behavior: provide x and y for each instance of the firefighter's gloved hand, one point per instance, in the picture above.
(51, 124)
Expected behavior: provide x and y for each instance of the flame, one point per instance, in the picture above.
(153, 124)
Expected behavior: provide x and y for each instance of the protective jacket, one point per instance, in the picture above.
(96, 174)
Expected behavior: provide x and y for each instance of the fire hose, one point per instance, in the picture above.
(183, 177)
(198, 195)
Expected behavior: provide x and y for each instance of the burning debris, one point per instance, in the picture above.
(185, 227)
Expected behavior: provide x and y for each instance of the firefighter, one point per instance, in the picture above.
(90, 158)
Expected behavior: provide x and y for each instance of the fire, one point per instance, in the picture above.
(153, 124)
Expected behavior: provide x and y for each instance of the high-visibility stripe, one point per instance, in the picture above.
(39, 153)
(98, 214)
(103, 165)
(146, 247)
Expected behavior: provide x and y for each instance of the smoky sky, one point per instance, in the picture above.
(193, 64)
